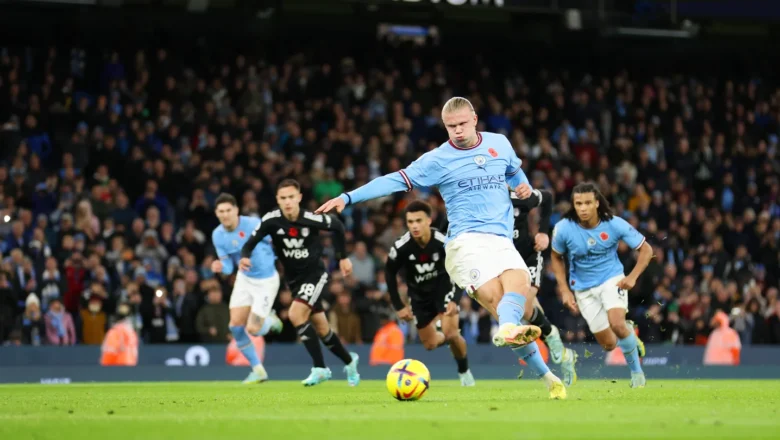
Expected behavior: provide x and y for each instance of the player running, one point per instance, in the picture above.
(420, 253)
(530, 249)
(255, 290)
(294, 233)
(472, 171)
(589, 236)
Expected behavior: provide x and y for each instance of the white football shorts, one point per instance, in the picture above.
(473, 259)
(596, 301)
(258, 293)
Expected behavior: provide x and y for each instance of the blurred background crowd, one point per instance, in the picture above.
(110, 162)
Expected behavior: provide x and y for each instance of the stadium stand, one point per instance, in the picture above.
(110, 163)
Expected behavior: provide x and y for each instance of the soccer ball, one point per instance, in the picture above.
(408, 380)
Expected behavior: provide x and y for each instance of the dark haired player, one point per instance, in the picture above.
(295, 236)
(531, 249)
(589, 236)
(420, 255)
(254, 291)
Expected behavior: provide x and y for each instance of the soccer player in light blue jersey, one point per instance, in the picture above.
(255, 290)
(588, 236)
(472, 171)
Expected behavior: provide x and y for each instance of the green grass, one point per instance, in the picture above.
(287, 411)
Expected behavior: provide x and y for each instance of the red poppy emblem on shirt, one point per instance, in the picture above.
(293, 232)
(604, 236)
(241, 234)
(424, 258)
(493, 152)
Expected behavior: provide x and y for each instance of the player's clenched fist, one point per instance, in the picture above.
(567, 298)
(346, 267)
(216, 266)
(541, 241)
(523, 191)
(405, 314)
(244, 264)
(626, 283)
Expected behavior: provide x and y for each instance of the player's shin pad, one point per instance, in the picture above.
(309, 338)
(332, 341)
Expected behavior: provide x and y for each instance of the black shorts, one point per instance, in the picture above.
(308, 289)
(535, 262)
(427, 306)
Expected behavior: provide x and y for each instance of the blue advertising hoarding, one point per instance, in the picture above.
(289, 362)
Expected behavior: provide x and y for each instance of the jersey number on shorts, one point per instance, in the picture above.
(306, 291)
(450, 295)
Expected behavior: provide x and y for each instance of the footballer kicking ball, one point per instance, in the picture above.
(408, 380)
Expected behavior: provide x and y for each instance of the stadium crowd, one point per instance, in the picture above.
(110, 164)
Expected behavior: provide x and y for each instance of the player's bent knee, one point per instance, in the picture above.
(490, 295)
(430, 345)
(517, 280)
(239, 316)
(322, 331)
(451, 335)
(298, 316)
(254, 327)
(606, 338)
(608, 343)
(237, 321)
(620, 330)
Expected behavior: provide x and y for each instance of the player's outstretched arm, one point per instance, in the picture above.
(423, 172)
(379, 187)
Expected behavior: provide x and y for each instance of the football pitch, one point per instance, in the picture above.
(519, 409)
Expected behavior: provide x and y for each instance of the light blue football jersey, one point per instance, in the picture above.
(229, 244)
(473, 182)
(592, 253)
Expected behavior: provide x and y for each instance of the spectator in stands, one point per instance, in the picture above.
(185, 309)
(363, 266)
(342, 316)
(369, 307)
(8, 305)
(59, 324)
(14, 240)
(94, 320)
(30, 324)
(159, 324)
(213, 318)
(774, 323)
